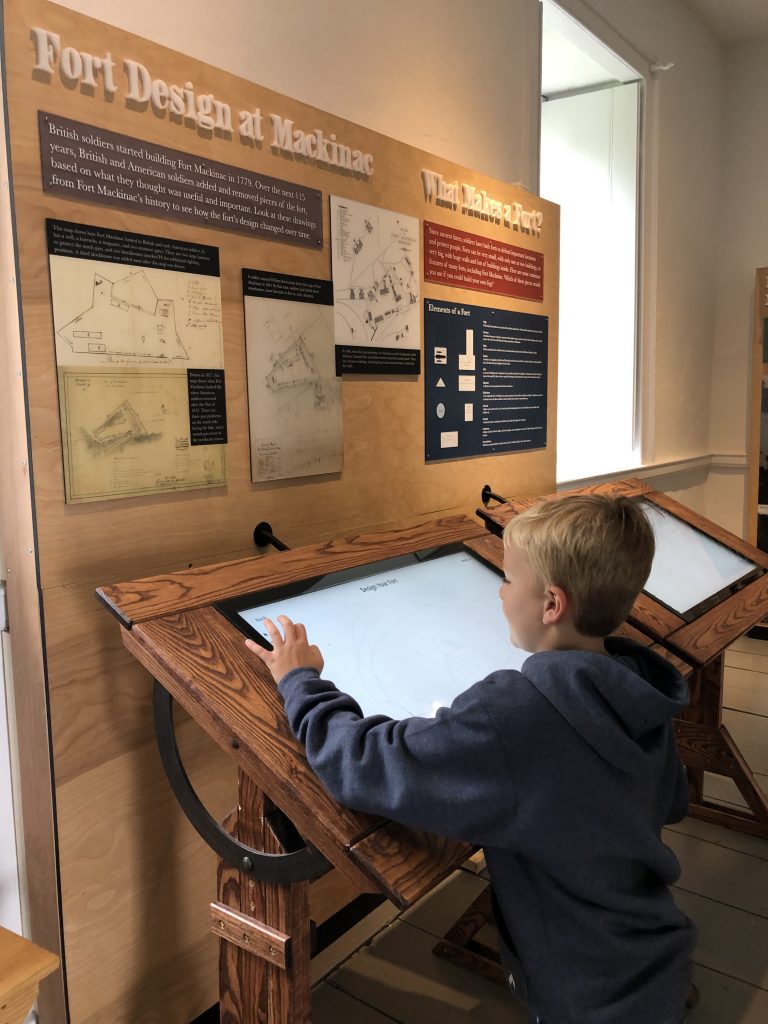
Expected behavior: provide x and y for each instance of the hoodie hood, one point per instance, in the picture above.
(618, 703)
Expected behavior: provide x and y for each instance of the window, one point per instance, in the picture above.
(590, 131)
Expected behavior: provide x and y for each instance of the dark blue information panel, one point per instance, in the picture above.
(485, 380)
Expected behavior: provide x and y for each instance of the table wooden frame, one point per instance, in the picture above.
(168, 623)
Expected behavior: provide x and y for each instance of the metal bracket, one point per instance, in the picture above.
(301, 863)
(263, 537)
(487, 494)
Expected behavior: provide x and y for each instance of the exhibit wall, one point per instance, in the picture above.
(744, 247)
(134, 224)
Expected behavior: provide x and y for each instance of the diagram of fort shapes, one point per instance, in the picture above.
(375, 257)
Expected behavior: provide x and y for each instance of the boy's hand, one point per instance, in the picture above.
(291, 651)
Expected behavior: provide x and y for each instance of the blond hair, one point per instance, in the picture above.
(598, 549)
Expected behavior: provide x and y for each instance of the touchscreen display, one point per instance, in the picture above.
(689, 567)
(404, 637)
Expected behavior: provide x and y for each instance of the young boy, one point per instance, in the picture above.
(564, 772)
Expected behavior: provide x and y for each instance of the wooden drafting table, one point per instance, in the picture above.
(705, 744)
(286, 829)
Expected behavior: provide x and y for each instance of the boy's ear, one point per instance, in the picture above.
(555, 605)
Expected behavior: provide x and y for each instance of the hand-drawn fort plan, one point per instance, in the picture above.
(294, 395)
(376, 275)
(125, 337)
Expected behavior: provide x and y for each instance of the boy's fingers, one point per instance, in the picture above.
(257, 649)
(301, 632)
(289, 629)
(274, 632)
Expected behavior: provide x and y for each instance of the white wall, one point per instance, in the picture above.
(456, 78)
(689, 159)
(742, 215)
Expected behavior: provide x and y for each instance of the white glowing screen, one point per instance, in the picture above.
(408, 639)
(689, 566)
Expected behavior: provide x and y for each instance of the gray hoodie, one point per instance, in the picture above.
(565, 772)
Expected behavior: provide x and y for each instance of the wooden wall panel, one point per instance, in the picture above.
(100, 697)
(132, 872)
(34, 787)
(94, 542)
(129, 862)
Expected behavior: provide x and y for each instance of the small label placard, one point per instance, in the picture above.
(207, 407)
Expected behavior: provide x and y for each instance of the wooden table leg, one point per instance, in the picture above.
(706, 745)
(264, 961)
(460, 946)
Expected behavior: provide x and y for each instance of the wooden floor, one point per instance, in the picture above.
(724, 888)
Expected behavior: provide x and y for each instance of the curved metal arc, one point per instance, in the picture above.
(282, 868)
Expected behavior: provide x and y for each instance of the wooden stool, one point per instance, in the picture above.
(23, 965)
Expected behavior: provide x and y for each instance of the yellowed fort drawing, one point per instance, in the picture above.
(126, 433)
(126, 319)
(294, 395)
(125, 337)
(112, 314)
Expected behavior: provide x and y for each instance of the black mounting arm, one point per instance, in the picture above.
(263, 536)
(301, 863)
(487, 494)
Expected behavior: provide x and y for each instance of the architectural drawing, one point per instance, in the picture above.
(126, 432)
(112, 314)
(125, 337)
(126, 319)
(375, 259)
(295, 368)
(120, 426)
(294, 395)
